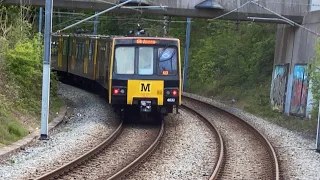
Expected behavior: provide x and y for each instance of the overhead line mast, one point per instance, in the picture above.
(47, 59)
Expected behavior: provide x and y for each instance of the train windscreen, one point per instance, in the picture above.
(146, 60)
(165, 60)
(124, 60)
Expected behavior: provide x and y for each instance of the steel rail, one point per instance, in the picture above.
(220, 160)
(142, 157)
(65, 168)
(270, 148)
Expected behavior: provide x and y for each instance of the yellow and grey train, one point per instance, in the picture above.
(139, 72)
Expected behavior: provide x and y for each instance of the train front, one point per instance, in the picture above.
(145, 74)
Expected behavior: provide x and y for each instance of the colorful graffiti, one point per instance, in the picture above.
(279, 86)
(299, 91)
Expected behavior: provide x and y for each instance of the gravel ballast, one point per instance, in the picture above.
(90, 123)
(187, 151)
(246, 157)
(132, 142)
(296, 154)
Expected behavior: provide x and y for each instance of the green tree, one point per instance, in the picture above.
(314, 72)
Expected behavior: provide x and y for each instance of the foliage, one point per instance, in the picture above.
(20, 74)
(10, 128)
(314, 71)
(228, 62)
(23, 65)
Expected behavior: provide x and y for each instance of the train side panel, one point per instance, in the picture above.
(103, 60)
(59, 49)
(82, 57)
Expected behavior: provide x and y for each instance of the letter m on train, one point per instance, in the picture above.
(145, 87)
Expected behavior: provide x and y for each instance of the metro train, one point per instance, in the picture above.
(140, 73)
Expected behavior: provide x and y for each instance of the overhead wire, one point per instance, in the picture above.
(229, 11)
(303, 27)
(116, 4)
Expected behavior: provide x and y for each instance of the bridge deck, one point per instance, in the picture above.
(292, 9)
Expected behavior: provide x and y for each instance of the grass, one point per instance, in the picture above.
(10, 128)
(256, 100)
(17, 120)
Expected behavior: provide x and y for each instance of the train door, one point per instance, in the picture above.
(102, 60)
(107, 61)
(79, 56)
(86, 56)
(91, 56)
(65, 53)
(72, 54)
(54, 52)
(95, 60)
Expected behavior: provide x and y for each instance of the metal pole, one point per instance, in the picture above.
(46, 70)
(95, 15)
(318, 133)
(95, 27)
(186, 56)
(40, 20)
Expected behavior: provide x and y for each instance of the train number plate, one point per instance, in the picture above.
(171, 100)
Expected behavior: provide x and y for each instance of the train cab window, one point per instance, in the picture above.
(146, 60)
(124, 60)
(167, 64)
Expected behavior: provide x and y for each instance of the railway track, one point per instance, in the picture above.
(113, 158)
(247, 154)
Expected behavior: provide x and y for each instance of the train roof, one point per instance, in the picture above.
(114, 36)
(147, 37)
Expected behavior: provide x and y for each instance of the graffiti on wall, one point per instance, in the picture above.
(279, 86)
(299, 91)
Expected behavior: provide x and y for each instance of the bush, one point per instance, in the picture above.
(24, 67)
(20, 75)
(314, 71)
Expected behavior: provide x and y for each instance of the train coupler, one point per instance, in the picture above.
(145, 106)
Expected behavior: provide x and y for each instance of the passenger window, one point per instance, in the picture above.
(82, 50)
(70, 47)
(91, 49)
(54, 47)
(77, 50)
(65, 47)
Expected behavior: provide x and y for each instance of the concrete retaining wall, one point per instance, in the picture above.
(294, 50)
